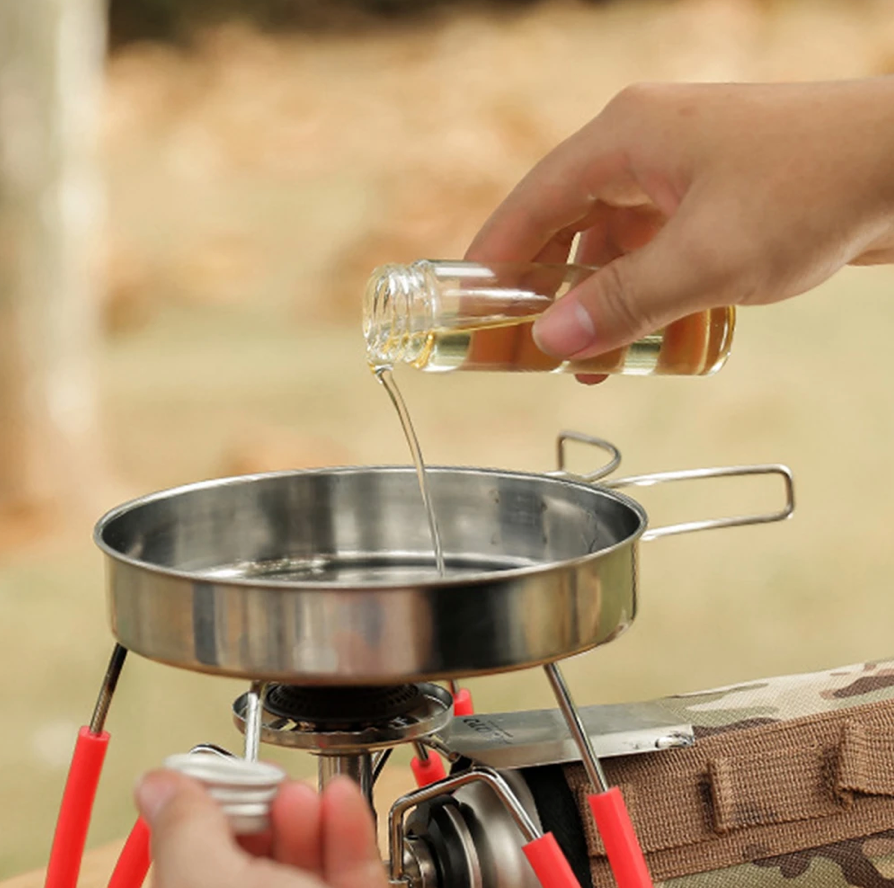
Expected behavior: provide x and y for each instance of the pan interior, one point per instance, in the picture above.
(395, 568)
(367, 526)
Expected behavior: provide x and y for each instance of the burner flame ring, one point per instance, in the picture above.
(425, 711)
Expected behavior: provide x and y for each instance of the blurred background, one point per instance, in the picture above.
(191, 197)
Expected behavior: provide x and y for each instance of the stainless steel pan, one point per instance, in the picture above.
(327, 576)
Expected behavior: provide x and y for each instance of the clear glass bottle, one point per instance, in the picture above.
(450, 315)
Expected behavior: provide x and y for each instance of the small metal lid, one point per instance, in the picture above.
(243, 789)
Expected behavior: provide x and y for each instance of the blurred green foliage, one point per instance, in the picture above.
(177, 20)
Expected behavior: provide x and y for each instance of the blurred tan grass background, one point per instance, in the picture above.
(254, 180)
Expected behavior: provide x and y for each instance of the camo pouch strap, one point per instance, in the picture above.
(779, 786)
(805, 782)
(867, 760)
(760, 795)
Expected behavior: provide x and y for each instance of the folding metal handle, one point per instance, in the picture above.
(653, 533)
(600, 443)
(722, 472)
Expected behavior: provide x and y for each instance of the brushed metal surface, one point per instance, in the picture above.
(327, 576)
(540, 737)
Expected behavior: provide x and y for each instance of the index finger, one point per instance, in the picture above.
(350, 855)
(553, 201)
(297, 827)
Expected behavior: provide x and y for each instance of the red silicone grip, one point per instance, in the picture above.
(74, 813)
(621, 845)
(428, 772)
(133, 864)
(549, 863)
(462, 703)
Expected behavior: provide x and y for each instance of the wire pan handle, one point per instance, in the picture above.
(652, 478)
(600, 443)
(782, 514)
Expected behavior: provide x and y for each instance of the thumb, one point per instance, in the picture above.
(632, 296)
(192, 845)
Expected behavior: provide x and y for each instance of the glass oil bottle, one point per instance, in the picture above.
(441, 316)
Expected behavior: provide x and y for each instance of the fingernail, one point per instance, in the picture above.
(565, 329)
(153, 792)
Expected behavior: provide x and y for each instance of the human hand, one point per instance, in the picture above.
(699, 196)
(316, 841)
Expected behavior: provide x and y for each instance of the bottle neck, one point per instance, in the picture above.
(398, 310)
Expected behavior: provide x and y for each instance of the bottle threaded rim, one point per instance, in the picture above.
(393, 328)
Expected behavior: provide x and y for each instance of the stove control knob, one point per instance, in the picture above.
(419, 864)
(471, 839)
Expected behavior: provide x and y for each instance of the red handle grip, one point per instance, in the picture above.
(133, 864)
(621, 845)
(76, 808)
(428, 771)
(549, 863)
(462, 702)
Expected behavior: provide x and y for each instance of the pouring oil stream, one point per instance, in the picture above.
(385, 377)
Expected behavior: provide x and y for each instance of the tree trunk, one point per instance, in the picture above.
(51, 70)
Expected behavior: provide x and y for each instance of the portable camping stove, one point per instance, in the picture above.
(318, 588)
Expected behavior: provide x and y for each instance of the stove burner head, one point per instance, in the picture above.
(341, 707)
(350, 719)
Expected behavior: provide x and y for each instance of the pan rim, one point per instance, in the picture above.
(283, 586)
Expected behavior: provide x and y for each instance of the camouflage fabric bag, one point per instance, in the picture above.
(790, 783)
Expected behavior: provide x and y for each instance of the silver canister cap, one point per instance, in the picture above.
(244, 790)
